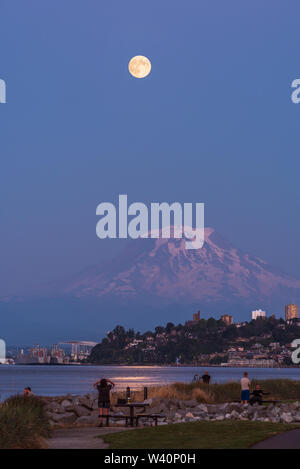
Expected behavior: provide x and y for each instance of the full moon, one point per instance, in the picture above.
(139, 66)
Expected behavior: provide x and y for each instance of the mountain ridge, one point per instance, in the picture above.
(163, 268)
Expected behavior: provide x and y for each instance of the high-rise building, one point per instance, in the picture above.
(291, 312)
(258, 314)
(227, 319)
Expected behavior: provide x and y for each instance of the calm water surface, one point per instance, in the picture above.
(59, 380)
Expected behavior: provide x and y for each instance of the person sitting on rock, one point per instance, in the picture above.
(104, 387)
(257, 395)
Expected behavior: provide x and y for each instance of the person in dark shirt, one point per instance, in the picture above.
(257, 395)
(104, 386)
(206, 378)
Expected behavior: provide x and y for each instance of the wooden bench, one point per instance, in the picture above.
(154, 417)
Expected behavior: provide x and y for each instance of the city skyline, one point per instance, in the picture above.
(227, 319)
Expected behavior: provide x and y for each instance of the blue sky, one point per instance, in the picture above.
(212, 123)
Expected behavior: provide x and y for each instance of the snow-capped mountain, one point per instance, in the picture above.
(163, 269)
(152, 282)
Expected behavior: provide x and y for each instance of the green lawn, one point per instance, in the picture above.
(199, 435)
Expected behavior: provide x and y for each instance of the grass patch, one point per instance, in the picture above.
(23, 423)
(197, 435)
(215, 393)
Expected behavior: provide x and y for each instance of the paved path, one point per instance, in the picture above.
(287, 440)
(80, 438)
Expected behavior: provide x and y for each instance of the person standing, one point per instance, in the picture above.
(245, 389)
(104, 386)
(206, 378)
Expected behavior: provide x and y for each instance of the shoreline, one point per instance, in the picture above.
(137, 365)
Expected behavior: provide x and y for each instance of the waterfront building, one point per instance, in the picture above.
(252, 363)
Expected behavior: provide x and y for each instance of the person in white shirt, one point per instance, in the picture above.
(245, 386)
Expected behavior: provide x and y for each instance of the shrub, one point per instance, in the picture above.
(23, 423)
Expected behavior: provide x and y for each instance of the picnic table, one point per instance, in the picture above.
(131, 406)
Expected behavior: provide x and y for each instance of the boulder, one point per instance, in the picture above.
(275, 411)
(275, 419)
(68, 417)
(75, 400)
(212, 409)
(81, 411)
(120, 422)
(286, 417)
(235, 414)
(54, 407)
(202, 407)
(95, 405)
(85, 402)
(223, 407)
(67, 405)
(181, 405)
(297, 417)
(234, 406)
(190, 403)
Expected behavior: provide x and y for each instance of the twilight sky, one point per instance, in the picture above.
(212, 123)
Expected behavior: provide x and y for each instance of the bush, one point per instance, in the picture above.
(23, 423)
